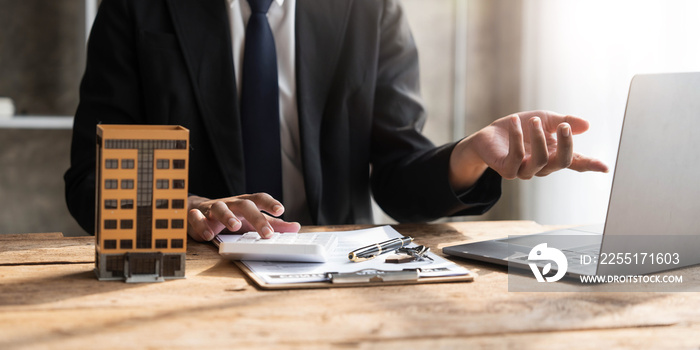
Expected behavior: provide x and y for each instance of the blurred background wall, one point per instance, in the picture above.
(579, 57)
(42, 54)
(480, 60)
(42, 57)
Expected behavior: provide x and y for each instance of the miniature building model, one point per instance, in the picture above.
(141, 202)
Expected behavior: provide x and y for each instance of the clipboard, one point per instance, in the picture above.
(339, 272)
(361, 278)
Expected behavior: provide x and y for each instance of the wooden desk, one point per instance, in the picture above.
(49, 298)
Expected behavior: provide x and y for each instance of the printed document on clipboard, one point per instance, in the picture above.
(339, 271)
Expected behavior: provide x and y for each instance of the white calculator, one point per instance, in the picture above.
(298, 247)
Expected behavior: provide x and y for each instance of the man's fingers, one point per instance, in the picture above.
(565, 146)
(220, 212)
(564, 153)
(552, 120)
(238, 213)
(543, 158)
(265, 202)
(516, 149)
(247, 209)
(280, 225)
(583, 163)
(198, 227)
(538, 150)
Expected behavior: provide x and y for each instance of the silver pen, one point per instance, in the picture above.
(371, 251)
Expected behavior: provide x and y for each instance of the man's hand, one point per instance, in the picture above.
(243, 213)
(521, 146)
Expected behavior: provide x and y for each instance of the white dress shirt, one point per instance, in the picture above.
(281, 16)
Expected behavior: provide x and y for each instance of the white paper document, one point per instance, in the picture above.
(273, 272)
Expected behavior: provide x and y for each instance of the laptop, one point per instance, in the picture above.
(654, 207)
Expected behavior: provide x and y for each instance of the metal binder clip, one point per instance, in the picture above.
(374, 276)
(419, 253)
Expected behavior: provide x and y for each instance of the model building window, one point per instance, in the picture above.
(111, 184)
(127, 163)
(127, 184)
(163, 164)
(176, 243)
(126, 224)
(162, 184)
(111, 163)
(178, 183)
(115, 263)
(161, 243)
(161, 223)
(161, 204)
(178, 203)
(110, 225)
(127, 204)
(177, 223)
(110, 244)
(126, 244)
(110, 204)
(178, 164)
(180, 144)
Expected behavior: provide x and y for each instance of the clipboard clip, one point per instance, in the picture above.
(373, 276)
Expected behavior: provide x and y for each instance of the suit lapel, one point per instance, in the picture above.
(203, 30)
(320, 26)
(202, 27)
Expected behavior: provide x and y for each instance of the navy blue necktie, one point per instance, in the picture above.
(260, 114)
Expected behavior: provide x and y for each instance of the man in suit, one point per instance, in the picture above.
(350, 116)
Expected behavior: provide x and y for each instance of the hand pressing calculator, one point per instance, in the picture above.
(298, 247)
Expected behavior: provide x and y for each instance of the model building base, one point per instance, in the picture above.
(140, 267)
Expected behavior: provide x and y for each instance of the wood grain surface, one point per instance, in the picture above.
(50, 298)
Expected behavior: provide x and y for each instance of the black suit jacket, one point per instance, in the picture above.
(170, 62)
